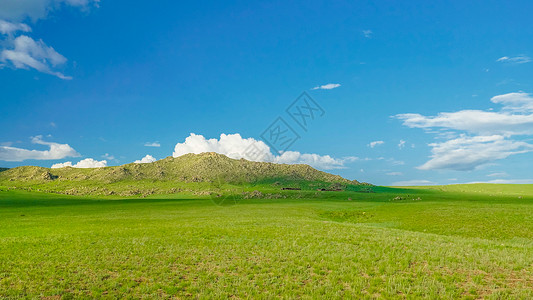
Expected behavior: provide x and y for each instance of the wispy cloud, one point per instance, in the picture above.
(507, 181)
(487, 135)
(401, 144)
(19, 51)
(498, 174)
(108, 156)
(328, 86)
(10, 28)
(520, 59)
(152, 144)
(375, 143)
(367, 33)
(17, 10)
(394, 173)
(414, 182)
(466, 153)
(26, 53)
(55, 151)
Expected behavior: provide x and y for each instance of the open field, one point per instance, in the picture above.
(431, 242)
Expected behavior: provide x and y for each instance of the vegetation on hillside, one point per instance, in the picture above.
(195, 173)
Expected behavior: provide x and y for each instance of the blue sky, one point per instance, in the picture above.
(412, 93)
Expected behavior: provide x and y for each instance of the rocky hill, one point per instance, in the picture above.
(190, 171)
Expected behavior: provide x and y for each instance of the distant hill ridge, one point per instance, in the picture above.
(190, 168)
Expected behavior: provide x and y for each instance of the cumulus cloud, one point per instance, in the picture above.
(84, 163)
(152, 144)
(234, 146)
(231, 145)
(22, 51)
(56, 151)
(477, 137)
(328, 86)
(520, 59)
(318, 161)
(62, 165)
(375, 143)
(146, 160)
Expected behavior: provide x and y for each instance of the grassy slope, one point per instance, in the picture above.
(187, 173)
(447, 245)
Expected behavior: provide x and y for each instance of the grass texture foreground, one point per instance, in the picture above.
(471, 241)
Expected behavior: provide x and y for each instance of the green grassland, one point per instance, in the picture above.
(464, 241)
(198, 174)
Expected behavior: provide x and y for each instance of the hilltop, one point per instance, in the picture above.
(190, 172)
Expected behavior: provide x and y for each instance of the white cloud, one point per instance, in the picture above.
(395, 173)
(506, 181)
(56, 151)
(108, 156)
(234, 146)
(375, 143)
(474, 121)
(318, 161)
(231, 145)
(10, 28)
(520, 59)
(515, 117)
(516, 102)
(27, 53)
(23, 52)
(396, 162)
(498, 174)
(401, 144)
(328, 86)
(145, 160)
(18, 10)
(152, 144)
(84, 163)
(367, 33)
(467, 153)
(415, 182)
(488, 133)
(62, 165)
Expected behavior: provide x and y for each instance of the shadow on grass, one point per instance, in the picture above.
(24, 199)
